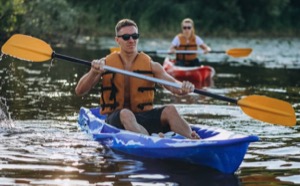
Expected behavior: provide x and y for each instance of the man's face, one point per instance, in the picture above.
(127, 40)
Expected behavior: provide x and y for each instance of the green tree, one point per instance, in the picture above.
(49, 19)
(63, 20)
(9, 13)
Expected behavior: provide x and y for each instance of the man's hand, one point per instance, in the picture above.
(186, 87)
(97, 65)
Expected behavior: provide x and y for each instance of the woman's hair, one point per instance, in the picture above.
(123, 23)
(189, 20)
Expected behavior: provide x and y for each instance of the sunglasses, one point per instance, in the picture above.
(126, 37)
(186, 27)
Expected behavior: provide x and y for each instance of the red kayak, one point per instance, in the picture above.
(200, 76)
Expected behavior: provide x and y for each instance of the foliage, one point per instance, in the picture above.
(9, 13)
(49, 18)
(66, 19)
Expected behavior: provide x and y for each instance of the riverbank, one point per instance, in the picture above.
(69, 39)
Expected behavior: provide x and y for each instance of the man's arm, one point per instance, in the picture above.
(90, 79)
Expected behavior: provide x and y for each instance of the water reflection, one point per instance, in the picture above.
(44, 146)
(62, 153)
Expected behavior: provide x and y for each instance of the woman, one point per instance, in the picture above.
(188, 40)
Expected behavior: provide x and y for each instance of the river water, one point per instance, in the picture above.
(40, 143)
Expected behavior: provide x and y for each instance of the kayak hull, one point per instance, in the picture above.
(200, 76)
(219, 149)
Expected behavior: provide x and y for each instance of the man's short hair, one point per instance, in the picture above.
(123, 23)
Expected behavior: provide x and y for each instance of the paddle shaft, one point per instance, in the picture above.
(183, 52)
(218, 51)
(156, 80)
(234, 52)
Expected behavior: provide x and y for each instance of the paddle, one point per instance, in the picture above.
(234, 52)
(259, 107)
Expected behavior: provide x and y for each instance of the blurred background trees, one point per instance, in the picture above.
(10, 14)
(64, 20)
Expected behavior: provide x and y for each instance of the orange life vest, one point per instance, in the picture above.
(113, 85)
(184, 45)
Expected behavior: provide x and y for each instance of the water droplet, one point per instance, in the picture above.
(5, 118)
(51, 63)
(1, 57)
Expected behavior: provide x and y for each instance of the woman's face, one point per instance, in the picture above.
(187, 28)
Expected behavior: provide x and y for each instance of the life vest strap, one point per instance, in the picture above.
(142, 105)
(143, 71)
(111, 106)
(142, 89)
(187, 46)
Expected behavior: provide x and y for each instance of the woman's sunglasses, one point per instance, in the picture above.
(126, 37)
(186, 27)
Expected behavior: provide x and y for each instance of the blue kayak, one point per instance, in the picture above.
(219, 149)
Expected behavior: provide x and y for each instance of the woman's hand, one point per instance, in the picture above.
(172, 51)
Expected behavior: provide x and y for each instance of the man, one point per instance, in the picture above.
(128, 101)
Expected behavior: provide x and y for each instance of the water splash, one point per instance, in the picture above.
(51, 64)
(5, 119)
(1, 56)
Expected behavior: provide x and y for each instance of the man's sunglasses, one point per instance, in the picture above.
(186, 27)
(126, 37)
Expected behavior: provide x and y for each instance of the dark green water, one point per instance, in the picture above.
(41, 145)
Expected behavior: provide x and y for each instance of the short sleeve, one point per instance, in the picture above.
(199, 41)
(175, 41)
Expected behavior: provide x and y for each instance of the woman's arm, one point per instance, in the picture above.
(205, 48)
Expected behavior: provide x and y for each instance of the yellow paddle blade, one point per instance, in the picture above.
(239, 52)
(114, 49)
(27, 48)
(268, 110)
